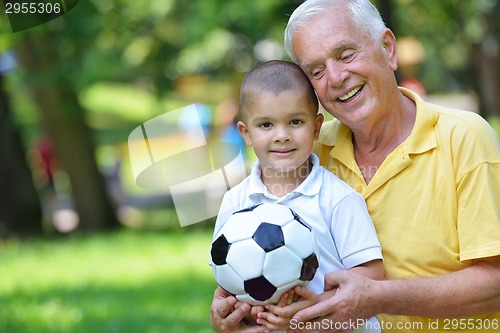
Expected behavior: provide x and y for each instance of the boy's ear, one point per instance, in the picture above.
(242, 128)
(317, 125)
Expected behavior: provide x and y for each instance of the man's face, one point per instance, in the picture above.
(348, 69)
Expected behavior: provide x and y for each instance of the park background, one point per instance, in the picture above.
(90, 251)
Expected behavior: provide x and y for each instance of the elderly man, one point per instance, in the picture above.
(430, 177)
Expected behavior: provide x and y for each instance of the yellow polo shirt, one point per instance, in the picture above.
(434, 201)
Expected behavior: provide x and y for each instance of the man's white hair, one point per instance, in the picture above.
(364, 15)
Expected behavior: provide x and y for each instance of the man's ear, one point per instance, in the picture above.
(242, 128)
(389, 45)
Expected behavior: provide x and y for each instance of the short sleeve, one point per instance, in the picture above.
(353, 232)
(478, 194)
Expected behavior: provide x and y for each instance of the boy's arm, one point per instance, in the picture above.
(373, 269)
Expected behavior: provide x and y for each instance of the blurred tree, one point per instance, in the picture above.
(20, 210)
(461, 44)
(386, 8)
(51, 60)
(153, 44)
(484, 62)
(122, 41)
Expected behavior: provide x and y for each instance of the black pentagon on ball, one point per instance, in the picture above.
(219, 250)
(309, 267)
(260, 288)
(269, 236)
(248, 209)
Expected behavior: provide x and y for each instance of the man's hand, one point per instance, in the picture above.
(352, 300)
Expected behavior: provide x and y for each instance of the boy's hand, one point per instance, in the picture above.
(278, 316)
(250, 317)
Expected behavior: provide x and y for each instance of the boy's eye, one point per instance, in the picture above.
(266, 125)
(296, 122)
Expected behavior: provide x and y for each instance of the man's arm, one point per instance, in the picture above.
(357, 297)
(477, 286)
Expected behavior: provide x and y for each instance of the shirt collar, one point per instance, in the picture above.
(421, 139)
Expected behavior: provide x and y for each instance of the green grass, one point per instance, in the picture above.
(128, 281)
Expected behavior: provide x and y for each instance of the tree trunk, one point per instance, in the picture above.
(20, 209)
(386, 9)
(65, 123)
(484, 60)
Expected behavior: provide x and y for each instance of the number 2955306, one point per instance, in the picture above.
(32, 8)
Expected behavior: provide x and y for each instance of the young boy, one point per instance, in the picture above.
(280, 121)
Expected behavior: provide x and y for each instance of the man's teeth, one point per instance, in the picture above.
(350, 93)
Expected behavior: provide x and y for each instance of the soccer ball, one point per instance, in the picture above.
(263, 251)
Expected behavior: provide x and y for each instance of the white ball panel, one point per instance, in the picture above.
(228, 279)
(274, 213)
(240, 226)
(246, 258)
(282, 266)
(298, 239)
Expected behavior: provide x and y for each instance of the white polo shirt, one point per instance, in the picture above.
(341, 226)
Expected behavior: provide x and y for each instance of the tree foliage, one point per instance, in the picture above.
(161, 41)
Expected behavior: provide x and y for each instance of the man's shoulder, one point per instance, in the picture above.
(464, 134)
(465, 126)
(329, 132)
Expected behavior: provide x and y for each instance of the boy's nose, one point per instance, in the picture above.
(282, 135)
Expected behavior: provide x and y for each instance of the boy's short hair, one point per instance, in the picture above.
(275, 76)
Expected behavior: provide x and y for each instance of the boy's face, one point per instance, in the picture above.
(281, 129)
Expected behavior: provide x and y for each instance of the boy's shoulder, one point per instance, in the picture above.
(240, 188)
(248, 185)
(333, 185)
(326, 176)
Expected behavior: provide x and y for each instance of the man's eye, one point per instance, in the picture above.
(347, 56)
(316, 73)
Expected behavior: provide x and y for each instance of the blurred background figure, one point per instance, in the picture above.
(411, 54)
(226, 117)
(46, 161)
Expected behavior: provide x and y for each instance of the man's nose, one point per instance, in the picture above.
(336, 73)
